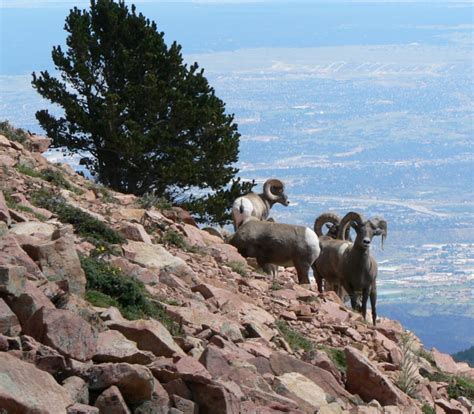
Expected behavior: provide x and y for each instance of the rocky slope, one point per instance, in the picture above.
(111, 304)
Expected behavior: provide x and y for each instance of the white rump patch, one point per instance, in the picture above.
(312, 241)
(244, 204)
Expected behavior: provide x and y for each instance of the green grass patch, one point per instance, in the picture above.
(11, 203)
(238, 267)
(108, 285)
(25, 169)
(294, 338)
(13, 134)
(337, 356)
(428, 409)
(457, 386)
(84, 224)
(275, 286)
(149, 200)
(56, 178)
(172, 237)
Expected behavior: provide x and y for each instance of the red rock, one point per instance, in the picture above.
(214, 399)
(321, 359)
(44, 357)
(111, 402)
(77, 389)
(365, 379)
(112, 346)
(178, 387)
(158, 404)
(193, 235)
(225, 253)
(140, 273)
(288, 315)
(58, 260)
(4, 213)
(184, 367)
(28, 302)
(9, 324)
(283, 363)
(178, 214)
(215, 360)
(444, 362)
(135, 382)
(64, 331)
(26, 389)
(451, 407)
(38, 143)
(272, 401)
(134, 231)
(12, 254)
(82, 409)
(12, 279)
(257, 347)
(184, 405)
(149, 335)
(334, 312)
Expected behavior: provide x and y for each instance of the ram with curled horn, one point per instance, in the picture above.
(259, 205)
(331, 221)
(350, 265)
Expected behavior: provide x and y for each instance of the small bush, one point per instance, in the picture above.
(276, 286)
(294, 338)
(428, 409)
(13, 134)
(56, 178)
(109, 286)
(406, 380)
(27, 170)
(238, 267)
(457, 386)
(149, 200)
(337, 356)
(84, 224)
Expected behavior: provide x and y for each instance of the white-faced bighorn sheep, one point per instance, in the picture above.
(277, 244)
(350, 264)
(259, 205)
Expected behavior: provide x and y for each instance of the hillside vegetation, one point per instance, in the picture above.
(115, 303)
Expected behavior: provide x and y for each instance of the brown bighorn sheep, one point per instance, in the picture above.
(259, 205)
(278, 244)
(350, 264)
(332, 221)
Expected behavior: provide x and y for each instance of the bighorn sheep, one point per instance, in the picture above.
(259, 205)
(332, 221)
(350, 264)
(277, 244)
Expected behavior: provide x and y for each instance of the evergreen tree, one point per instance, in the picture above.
(149, 122)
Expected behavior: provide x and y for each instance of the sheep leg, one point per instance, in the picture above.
(302, 272)
(373, 300)
(365, 297)
(319, 279)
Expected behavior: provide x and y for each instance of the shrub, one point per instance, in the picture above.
(84, 224)
(406, 380)
(109, 286)
(457, 386)
(276, 286)
(13, 134)
(294, 338)
(337, 356)
(151, 199)
(56, 177)
(428, 409)
(238, 267)
(27, 170)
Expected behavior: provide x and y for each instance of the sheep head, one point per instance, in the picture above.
(274, 191)
(365, 229)
(331, 220)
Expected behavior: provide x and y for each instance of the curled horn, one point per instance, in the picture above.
(267, 188)
(323, 219)
(382, 225)
(346, 221)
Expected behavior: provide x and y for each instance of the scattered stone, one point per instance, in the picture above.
(64, 331)
(77, 389)
(149, 335)
(4, 213)
(111, 402)
(364, 379)
(112, 346)
(444, 362)
(135, 382)
(26, 389)
(9, 324)
(135, 232)
(82, 409)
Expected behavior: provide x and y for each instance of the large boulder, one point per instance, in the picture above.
(113, 346)
(26, 389)
(112, 402)
(12, 254)
(297, 387)
(149, 335)
(58, 260)
(64, 331)
(153, 256)
(135, 382)
(365, 379)
(9, 324)
(282, 363)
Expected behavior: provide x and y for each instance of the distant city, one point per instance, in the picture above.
(367, 108)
